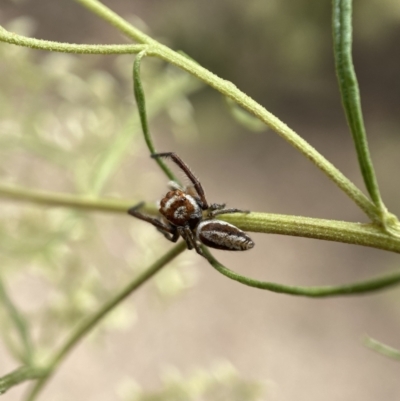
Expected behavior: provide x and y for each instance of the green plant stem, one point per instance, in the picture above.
(15, 39)
(308, 227)
(381, 348)
(347, 79)
(361, 287)
(141, 104)
(370, 235)
(91, 322)
(115, 20)
(65, 200)
(231, 91)
(153, 48)
(20, 375)
(19, 322)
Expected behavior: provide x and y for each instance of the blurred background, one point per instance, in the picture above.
(69, 124)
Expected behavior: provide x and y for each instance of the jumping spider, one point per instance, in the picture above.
(182, 216)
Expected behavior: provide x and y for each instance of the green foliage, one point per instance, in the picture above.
(69, 108)
(65, 116)
(221, 383)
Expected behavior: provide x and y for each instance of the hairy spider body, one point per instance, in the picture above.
(182, 216)
(180, 208)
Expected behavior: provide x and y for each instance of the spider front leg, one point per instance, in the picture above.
(216, 209)
(185, 168)
(170, 232)
(170, 237)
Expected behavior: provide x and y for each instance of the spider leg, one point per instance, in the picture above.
(185, 168)
(186, 236)
(216, 206)
(170, 232)
(170, 237)
(186, 233)
(216, 212)
(198, 249)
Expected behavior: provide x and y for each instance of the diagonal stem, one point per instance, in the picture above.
(231, 91)
(20, 375)
(87, 325)
(382, 348)
(19, 322)
(102, 11)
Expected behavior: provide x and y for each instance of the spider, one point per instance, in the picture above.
(182, 216)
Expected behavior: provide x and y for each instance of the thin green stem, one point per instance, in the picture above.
(223, 86)
(19, 40)
(141, 104)
(308, 227)
(20, 375)
(19, 323)
(382, 348)
(231, 91)
(347, 79)
(65, 200)
(88, 324)
(115, 20)
(361, 287)
(370, 235)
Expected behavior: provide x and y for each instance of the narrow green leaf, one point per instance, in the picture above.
(342, 39)
(141, 103)
(92, 320)
(168, 91)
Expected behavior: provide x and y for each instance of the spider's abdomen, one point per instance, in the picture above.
(181, 209)
(222, 235)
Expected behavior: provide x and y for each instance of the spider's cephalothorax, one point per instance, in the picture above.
(182, 216)
(180, 209)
